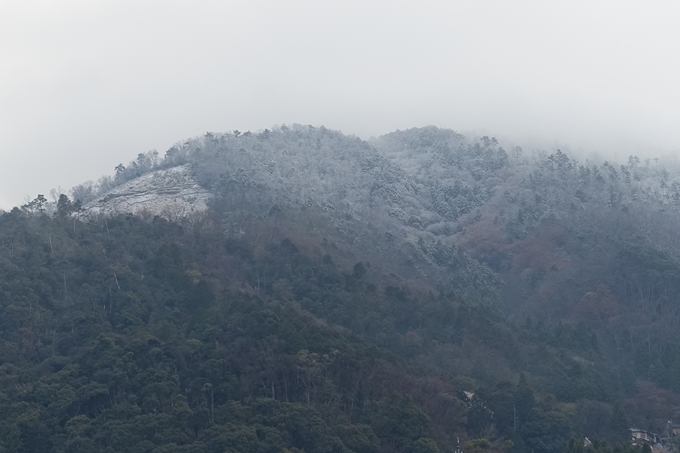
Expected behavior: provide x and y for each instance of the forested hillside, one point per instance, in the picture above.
(408, 294)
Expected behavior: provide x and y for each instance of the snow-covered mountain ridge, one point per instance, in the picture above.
(423, 202)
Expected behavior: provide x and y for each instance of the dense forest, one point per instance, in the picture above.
(421, 292)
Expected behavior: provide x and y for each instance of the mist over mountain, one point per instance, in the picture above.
(298, 289)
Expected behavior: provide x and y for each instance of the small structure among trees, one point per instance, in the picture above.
(640, 437)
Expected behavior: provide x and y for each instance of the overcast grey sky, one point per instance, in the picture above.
(87, 84)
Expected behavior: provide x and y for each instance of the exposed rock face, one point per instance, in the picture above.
(170, 193)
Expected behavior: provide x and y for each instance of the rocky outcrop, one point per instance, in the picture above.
(169, 193)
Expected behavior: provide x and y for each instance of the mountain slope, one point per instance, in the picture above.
(384, 296)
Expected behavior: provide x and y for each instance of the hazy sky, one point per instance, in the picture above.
(85, 85)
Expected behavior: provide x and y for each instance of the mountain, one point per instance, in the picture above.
(298, 289)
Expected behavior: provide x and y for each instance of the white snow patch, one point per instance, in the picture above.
(170, 193)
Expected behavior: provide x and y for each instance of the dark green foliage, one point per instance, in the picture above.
(125, 335)
(546, 432)
(425, 445)
(619, 425)
(400, 421)
(523, 400)
(477, 444)
(574, 445)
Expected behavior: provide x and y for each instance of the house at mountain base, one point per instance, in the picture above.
(640, 436)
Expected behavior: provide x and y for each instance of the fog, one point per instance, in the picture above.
(85, 85)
